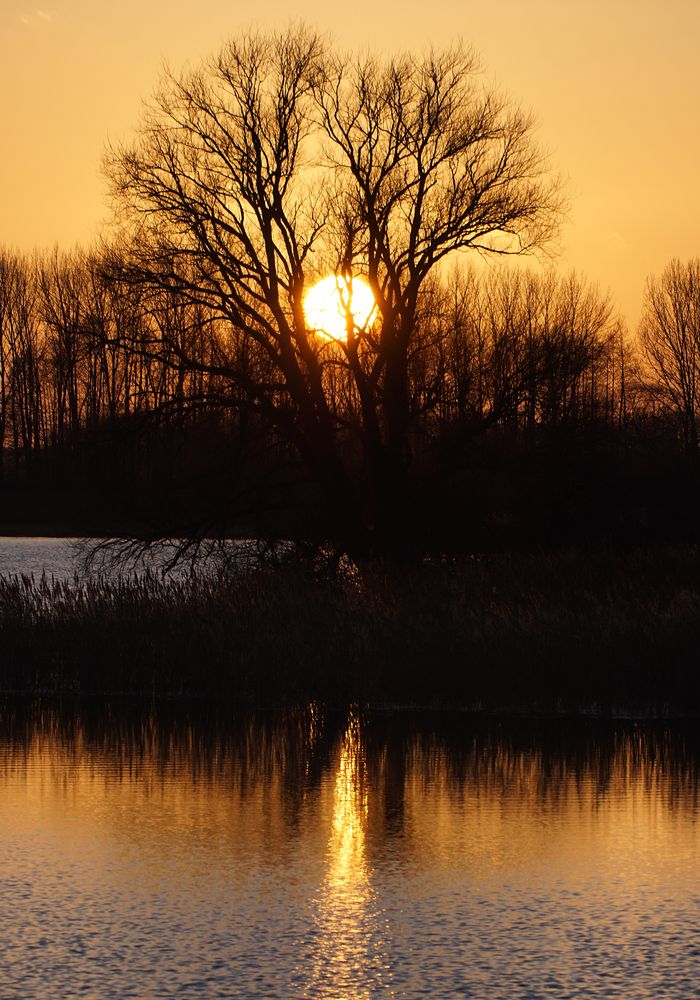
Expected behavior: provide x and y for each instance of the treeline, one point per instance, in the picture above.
(78, 355)
(532, 416)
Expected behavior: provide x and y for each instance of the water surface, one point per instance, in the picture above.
(345, 856)
(84, 558)
(61, 558)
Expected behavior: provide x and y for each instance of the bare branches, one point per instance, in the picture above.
(437, 163)
(669, 335)
(214, 177)
(277, 161)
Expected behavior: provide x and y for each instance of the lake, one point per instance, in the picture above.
(181, 852)
(62, 558)
(69, 558)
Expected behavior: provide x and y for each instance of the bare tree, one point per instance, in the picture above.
(22, 410)
(276, 162)
(10, 270)
(669, 335)
(524, 349)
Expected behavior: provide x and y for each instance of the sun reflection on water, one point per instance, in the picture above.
(348, 944)
(350, 809)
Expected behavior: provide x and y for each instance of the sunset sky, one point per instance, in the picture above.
(615, 86)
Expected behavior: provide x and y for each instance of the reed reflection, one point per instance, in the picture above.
(169, 781)
(294, 756)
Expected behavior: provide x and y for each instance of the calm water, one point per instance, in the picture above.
(62, 558)
(328, 856)
(69, 558)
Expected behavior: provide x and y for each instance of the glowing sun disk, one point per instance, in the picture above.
(330, 301)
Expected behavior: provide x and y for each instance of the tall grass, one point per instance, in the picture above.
(564, 632)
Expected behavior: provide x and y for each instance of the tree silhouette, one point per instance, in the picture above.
(669, 335)
(279, 161)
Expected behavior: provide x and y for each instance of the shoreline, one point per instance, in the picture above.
(120, 701)
(574, 633)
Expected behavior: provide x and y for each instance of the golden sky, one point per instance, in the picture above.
(615, 86)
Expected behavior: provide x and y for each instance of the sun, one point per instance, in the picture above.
(328, 303)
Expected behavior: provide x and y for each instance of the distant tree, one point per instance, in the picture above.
(9, 280)
(525, 349)
(669, 335)
(277, 162)
(22, 411)
(62, 304)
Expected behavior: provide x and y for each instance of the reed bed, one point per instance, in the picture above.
(606, 631)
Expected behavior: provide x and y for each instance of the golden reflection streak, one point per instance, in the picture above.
(349, 959)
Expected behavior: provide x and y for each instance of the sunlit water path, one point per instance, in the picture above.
(303, 855)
